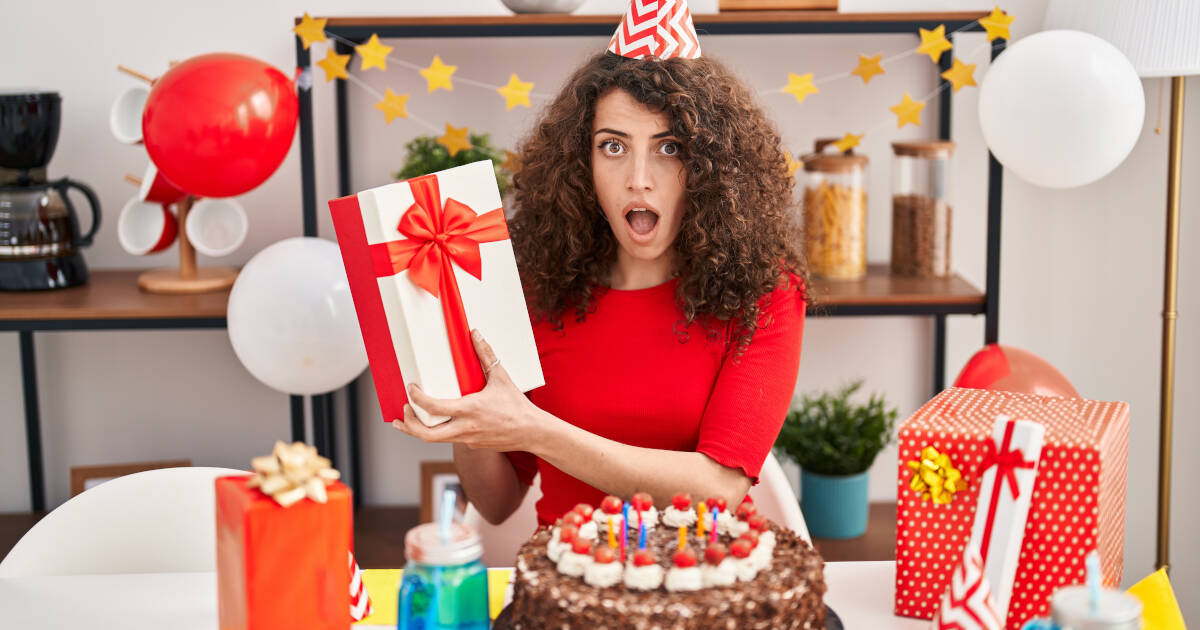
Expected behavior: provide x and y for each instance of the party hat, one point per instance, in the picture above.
(968, 603)
(656, 28)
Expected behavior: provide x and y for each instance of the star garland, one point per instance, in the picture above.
(516, 93)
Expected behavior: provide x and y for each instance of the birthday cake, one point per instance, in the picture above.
(676, 572)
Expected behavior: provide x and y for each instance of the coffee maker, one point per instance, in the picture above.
(40, 241)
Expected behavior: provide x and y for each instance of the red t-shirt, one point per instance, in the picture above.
(624, 373)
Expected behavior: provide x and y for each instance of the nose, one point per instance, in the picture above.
(638, 176)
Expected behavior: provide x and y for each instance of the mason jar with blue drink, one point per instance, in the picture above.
(445, 584)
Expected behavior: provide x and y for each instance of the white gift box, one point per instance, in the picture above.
(1016, 443)
(404, 325)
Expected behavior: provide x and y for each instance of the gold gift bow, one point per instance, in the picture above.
(292, 472)
(935, 477)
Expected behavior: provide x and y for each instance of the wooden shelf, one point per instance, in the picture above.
(111, 299)
(881, 293)
(879, 543)
(822, 16)
(113, 296)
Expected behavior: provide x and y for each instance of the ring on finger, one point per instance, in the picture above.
(492, 365)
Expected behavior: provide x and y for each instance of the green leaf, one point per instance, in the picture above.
(426, 156)
(830, 435)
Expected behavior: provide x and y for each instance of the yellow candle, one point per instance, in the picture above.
(612, 539)
(682, 536)
(701, 511)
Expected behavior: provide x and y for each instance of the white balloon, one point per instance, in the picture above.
(1061, 108)
(291, 319)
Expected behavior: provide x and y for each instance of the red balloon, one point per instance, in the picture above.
(1009, 369)
(219, 125)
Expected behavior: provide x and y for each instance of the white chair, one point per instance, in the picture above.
(500, 542)
(775, 499)
(157, 521)
(773, 496)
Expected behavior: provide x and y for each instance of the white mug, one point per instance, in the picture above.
(217, 227)
(125, 117)
(146, 228)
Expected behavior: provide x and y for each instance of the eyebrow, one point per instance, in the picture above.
(661, 134)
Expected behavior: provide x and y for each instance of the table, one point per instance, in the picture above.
(860, 592)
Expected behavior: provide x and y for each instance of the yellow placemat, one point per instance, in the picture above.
(383, 585)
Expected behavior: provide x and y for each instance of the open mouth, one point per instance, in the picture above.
(641, 220)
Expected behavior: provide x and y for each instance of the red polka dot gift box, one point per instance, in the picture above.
(1078, 501)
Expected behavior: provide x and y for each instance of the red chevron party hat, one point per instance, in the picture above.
(656, 28)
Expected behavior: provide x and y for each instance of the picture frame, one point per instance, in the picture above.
(86, 477)
(436, 477)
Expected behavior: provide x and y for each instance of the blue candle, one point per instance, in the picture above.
(641, 534)
(715, 511)
(624, 526)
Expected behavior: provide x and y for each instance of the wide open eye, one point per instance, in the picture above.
(670, 149)
(612, 147)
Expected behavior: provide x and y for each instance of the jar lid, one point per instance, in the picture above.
(18, 96)
(1071, 607)
(832, 161)
(423, 544)
(923, 148)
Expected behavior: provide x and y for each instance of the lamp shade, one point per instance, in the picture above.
(1160, 37)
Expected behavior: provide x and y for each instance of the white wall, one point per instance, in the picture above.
(1080, 281)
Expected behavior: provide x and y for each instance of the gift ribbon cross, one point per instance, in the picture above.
(439, 237)
(1007, 460)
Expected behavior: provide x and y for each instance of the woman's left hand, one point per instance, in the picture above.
(499, 417)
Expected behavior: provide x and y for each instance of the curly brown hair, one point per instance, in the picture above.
(739, 231)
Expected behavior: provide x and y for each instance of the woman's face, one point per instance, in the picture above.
(639, 178)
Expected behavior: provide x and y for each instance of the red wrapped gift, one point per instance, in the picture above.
(1078, 501)
(282, 567)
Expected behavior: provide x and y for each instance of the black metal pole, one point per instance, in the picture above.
(991, 327)
(343, 128)
(939, 353)
(297, 403)
(319, 424)
(308, 177)
(330, 429)
(33, 424)
(945, 96)
(352, 438)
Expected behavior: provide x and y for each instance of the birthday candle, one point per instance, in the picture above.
(682, 536)
(612, 540)
(641, 534)
(716, 510)
(624, 525)
(703, 512)
(623, 534)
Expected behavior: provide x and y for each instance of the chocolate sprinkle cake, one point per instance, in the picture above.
(787, 594)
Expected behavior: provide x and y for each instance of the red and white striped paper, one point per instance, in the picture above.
(360, 600)
(656, 28)
(1078, 502)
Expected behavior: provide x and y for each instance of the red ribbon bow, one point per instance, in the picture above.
(440, 236)
(1007, 460)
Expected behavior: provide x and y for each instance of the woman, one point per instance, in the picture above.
(656, 243)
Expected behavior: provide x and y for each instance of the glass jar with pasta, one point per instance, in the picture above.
(835, 212)
(921, 212)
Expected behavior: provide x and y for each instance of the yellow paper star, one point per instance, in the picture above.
(373, 53)
(334, 65)
(792, 165)
(516, 92)
(848, 142)
(996, 24)
(934, 43)
(800, 86)
(455, 139)
(908, 111)
(392, 105)
(310, 30)
(438, 75)
(961, 74)
(511, 162)
(868, 67)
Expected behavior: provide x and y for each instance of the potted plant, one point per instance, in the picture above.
(426, 156)
(835, 441)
